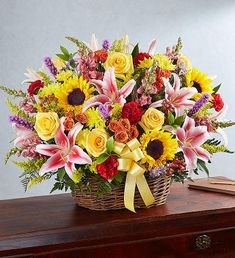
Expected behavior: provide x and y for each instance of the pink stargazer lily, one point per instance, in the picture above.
(108, 91)
(190, 138)
(178, 97)
(64, 153)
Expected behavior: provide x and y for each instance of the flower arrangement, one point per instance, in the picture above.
(117, 114)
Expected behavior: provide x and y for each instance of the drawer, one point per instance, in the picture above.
(199, 245)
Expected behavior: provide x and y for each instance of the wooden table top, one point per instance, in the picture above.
(51, 220)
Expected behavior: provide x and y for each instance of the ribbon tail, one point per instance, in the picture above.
(144, 190)
(129, 192)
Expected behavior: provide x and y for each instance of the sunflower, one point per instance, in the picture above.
(201, 81)
(72, 93)
(158, 148)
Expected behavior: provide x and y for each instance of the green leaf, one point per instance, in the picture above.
(64, 51)
(119, 177)
(216, 88)
(202, 166)
(135, 51)
(63, 57)
(61, 173)
(102, 158)
(110, 144)
(55, 187)
(179, 120)
(171, 118)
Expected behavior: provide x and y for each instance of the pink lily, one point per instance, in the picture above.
(190, 138)
(108, 91)
(178, 97)
(152, 46)
(64, 153)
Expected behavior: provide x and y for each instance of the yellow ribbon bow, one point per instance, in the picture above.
(130, 153)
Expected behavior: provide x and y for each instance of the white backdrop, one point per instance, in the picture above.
(31, 30)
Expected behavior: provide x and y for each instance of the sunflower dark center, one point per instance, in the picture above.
(76, 97)
(197, 86)
(155, 149)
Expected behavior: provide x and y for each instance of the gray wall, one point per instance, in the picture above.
(32, 29)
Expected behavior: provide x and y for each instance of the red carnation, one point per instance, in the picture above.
(140, 57)
(217, 102)
(34, 87)
(108, 169)
(132, 111)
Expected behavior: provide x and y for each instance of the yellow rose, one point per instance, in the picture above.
(81, 138)
(47, 125)
(121, 62)
(152, 119)
(96, 141)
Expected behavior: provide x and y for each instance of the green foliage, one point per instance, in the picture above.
(135, 51)
(13, 92)
(171, 118)
(82, 46)
(10, 153)
(35, 180)
(66, 56)
(110, 144)
(118, 179)
(103, 187)
(30, 165)
(63, 184)
(216, 88)
(201, 165)
(45, 77)
(102, 158)
(18, 111)
(214, 146)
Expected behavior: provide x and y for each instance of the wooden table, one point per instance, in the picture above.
(192, 224)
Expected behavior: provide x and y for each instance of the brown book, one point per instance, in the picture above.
(215, 184)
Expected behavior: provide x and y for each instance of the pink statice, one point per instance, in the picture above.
(88, 68)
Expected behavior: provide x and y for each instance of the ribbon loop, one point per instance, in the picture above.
(130, 153)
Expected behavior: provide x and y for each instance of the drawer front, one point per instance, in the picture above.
(203, 245)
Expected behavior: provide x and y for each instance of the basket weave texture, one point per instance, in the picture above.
(160, 188)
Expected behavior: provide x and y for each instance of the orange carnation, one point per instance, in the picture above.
(100, 55)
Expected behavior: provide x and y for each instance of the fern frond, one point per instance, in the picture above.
(10, 153)
(30, 165)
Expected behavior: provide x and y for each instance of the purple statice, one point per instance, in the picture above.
(21, 122)
(104, 110)
(199, 104)
(158, 171)
(49, 64)
(105, 44)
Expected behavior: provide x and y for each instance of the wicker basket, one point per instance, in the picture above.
(160, 188)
